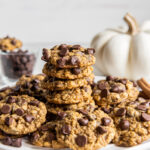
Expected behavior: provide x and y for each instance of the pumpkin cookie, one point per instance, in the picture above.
(21, 114)
(132, 121)
(45, 136)
(113, 91)
(68, 56)
(87, 105)
(54, 84)
(31, 85)
(73, 73)
(85, 131)
(72, 96)
(9, 43)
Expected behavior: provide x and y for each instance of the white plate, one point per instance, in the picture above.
(27, 146)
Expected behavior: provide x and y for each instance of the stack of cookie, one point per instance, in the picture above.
(68, 74)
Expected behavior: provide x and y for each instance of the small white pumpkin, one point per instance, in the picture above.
(124, 52)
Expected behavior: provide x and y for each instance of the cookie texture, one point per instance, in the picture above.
(54, 84)
(68, 56)
(85, 131)
(21, 114)
(72, 96)
(45, 136)
(72, 73)
(113, 91)
(9, 43)
(31, 85)
(132, 121)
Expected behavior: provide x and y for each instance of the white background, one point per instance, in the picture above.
(65, 20)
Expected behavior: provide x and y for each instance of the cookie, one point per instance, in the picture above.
(54, 84)
(21, 114)
(68, 56)
(87, 105)
(74, 73)
(132, 121)
(113, 91)
(31, 85)
(72, 96)
(9, 43)
(85, 131)
(45, 136)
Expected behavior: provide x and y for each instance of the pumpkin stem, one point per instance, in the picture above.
(133, 26)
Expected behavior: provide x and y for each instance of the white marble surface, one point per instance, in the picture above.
(65, 20)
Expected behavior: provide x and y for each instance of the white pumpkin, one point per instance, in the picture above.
(124, 52)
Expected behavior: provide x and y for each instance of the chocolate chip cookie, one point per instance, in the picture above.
(54, 84)
(74, 73)
(9, 43)
(132, 121)
(81, 130)
(31, 85)
(45, 136)
(87, 105)
(21, 114)
(68, 56)
(113, 91)
(72, 96)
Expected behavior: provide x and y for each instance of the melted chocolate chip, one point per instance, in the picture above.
(63, 47)
(106, 110)
(35, 103)
(123, 81)
(6, 109)
(104, 93)
(141, 107)
(100, 130)
(8, 121)
(63, 52)
(45, 56)
(145, 117)
(29, 118)
(61, 115)
(90, 51)
(74, 60)
(61, 62)
(81, 140)
(84, 112)
(102, 85)
(117, 89)
(76, 71)
(121, 112)
(10, 100)
(75, 47)
(66, 129)
(19, 112)
(106, 121)
(83, 121)
(124, 124)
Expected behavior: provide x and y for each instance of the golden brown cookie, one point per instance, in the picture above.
(74, 73)
(21, 114)
(68, 56)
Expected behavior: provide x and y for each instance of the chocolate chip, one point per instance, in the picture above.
(76, 71)
(83, 121)
(51, 137)
(101, 130)
(102, 85)
(8, 121)
(109, 78)
(124, 124)
(106, 121)
(117, 89)
(7, 141)
(35, 136)
(63, 52)
(61, 115)
(90, 51)
(106, 110)
(134, 83)
(121, 112)
(45, 56)
(123, 81)
(19, 112)
(104, 93)
(11, 100)
(84, 112)
(141, 107)
(74, 60)
(44, 128)
(61, 62)
(145, 117)
(35, 103)
(6, 109)
(63, 46)
(66, 129)
(17, 142)
(29, 118)
(34, 87)
(76, 47)
(81, 140)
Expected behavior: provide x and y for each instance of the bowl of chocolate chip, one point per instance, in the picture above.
(16, 63)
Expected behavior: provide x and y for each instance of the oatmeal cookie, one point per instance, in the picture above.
(9, 43)
(72, 96)
(68, 56)
(21, 114)
(81, 130)
(54, 84)
(132, 120)
(73, 73)
(113, 91)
